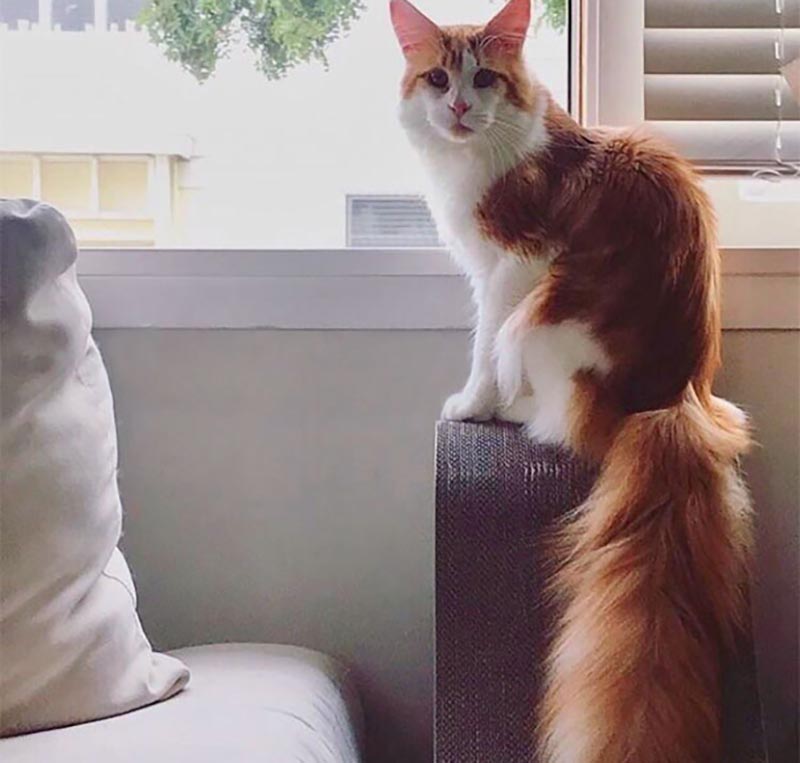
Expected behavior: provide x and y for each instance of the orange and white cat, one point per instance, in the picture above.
(594, 268)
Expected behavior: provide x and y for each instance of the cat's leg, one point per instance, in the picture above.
(478, 399)
(555, 357)
(496, 292)
(549, 359)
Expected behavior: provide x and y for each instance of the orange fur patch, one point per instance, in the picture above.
(636, 257)
(653, 592)
(655, 565)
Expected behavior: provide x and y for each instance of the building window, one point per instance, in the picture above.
(73, 15)
(67, 184)
(109, 200)
(122, 186)
(123, 12)
(16, 178)
(12, 12)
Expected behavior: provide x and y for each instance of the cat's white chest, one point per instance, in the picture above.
(454, 196)
(468, 246)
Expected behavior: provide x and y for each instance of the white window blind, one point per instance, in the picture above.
(717, 81)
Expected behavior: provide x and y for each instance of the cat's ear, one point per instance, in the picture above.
(506, 32)
(414, 30)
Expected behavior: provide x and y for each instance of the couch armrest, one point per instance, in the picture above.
(495, 493)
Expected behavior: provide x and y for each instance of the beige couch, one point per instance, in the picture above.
(245, 703)
(79, 681)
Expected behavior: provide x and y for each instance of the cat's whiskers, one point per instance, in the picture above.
(511, 138)
(507, 155)
(492, 153)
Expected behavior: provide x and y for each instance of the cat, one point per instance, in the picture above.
(592, 260)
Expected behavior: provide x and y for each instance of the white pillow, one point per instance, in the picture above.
(72, 648)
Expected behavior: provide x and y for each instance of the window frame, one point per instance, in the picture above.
(611, 65)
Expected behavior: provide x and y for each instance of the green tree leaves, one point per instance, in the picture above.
(282, 33)
(555, 14)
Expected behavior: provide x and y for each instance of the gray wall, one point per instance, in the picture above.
(762, 373)
(278, 487)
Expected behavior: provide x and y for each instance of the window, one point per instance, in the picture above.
(67, 184)
(19, 13)
(95, 118)
(72, 15)
(109, 200)
(123, 12)
(252, 163)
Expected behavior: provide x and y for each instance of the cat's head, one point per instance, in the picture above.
(462, 82)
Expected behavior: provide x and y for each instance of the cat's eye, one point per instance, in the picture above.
(438, 78)
(484, 78)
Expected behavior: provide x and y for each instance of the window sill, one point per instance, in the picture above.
(359, 289)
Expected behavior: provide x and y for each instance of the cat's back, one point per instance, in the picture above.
(631, 176)
(604, 189)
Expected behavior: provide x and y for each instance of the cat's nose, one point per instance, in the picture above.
(459, 108)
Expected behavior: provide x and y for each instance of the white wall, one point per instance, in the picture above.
(278, 486)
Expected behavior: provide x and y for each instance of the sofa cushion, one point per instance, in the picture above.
(71, 645)
(246, 703)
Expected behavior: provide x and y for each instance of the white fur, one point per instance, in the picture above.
(573, 731)
(428, 113)
(460, 173)
(497, 290)
(546, 358)
(461, 170)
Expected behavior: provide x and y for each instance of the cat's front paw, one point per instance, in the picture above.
(469, 404)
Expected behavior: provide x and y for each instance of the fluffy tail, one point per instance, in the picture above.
(652, 591)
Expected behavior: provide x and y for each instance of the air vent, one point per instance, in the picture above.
(390, 221)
